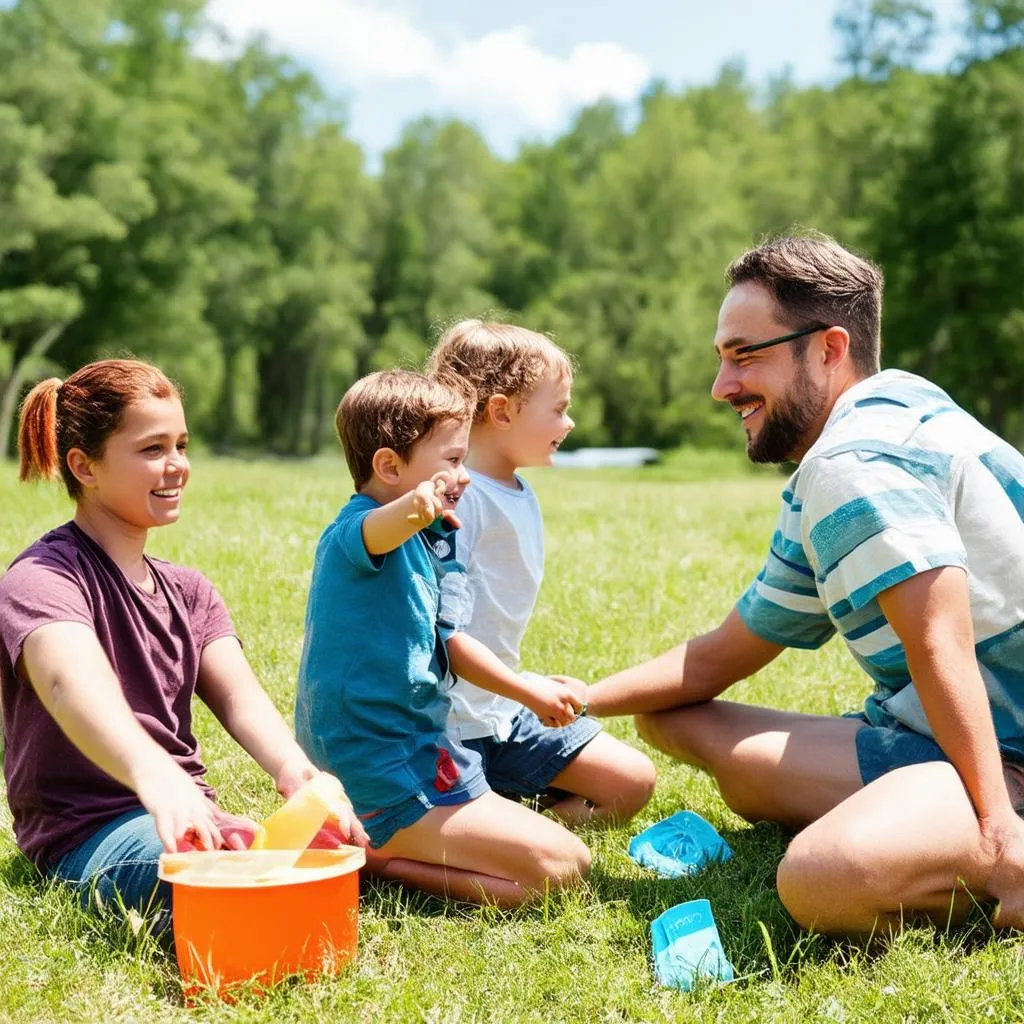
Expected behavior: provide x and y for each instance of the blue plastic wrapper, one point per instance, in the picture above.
(687, 947)
(678, 846)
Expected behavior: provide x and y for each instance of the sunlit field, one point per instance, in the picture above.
(636, 561)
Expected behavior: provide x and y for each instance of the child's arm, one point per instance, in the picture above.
(390, 526)
(554, 703)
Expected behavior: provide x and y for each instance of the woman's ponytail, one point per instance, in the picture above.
(37, 432)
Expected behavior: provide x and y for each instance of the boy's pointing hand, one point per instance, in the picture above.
(430, 500)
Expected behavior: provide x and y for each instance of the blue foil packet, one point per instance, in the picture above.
(687, 947)
(678, 846)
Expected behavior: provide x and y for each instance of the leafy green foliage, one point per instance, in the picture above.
(214, 216)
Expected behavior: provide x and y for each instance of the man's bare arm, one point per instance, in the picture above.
(695, 671)
(931, 614)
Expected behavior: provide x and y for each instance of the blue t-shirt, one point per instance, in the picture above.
(372, 695)
(901, 480)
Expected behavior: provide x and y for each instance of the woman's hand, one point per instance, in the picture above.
(184, 815)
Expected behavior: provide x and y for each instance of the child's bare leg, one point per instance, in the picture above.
(487, 850)
(609, 780)
(451, 883)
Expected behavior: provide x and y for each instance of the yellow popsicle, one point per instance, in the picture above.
(292, 826)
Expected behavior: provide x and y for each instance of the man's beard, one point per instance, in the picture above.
(785, 426)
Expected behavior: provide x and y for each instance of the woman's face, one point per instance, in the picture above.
(144, 466)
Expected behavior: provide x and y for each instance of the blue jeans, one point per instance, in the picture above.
(117, 865)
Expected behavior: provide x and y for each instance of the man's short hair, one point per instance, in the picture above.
(396, 409)
(812, 278)
(497, 359)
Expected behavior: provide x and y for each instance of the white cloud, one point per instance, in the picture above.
(505, 70)
(358, 43)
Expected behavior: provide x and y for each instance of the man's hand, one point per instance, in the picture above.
(554, 703)
(1003, 844)
(577, 688)
(428, 500)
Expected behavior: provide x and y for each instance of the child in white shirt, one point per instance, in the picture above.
(523, 382)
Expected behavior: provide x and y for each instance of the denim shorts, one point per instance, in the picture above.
(459, 778)
(533, 755)
(883, 748)
(117, 866)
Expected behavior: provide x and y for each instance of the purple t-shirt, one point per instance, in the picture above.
(58, 797)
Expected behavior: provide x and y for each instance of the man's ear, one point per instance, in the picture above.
(498, 411)
(81, 467)
(837, 347)
(387, 464)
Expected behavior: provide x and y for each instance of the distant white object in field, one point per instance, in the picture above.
(600, 458)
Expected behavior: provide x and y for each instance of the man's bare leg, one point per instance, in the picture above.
(770, 765)
(906, 845)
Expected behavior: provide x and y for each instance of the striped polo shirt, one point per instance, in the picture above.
(901, 480)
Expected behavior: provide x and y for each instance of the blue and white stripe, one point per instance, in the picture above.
(901, 481)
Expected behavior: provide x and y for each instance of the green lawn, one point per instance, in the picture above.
(636, 561)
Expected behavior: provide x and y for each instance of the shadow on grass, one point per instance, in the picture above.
(71, 938)
(757, 933)
(759, 937)
(18, 872)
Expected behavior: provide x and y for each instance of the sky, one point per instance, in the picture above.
(519, 71)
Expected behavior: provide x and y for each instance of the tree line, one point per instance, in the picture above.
(215, 216)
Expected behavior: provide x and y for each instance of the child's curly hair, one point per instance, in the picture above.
(497, 359)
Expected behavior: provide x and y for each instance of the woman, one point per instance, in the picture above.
(103, 648)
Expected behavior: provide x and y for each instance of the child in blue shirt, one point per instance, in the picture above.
(523, 382)
(379, 654)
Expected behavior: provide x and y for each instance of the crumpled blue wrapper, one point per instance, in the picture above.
(680, 845)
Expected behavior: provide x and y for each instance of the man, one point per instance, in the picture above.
(901, 530)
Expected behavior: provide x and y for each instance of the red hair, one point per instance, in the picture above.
(81, 412)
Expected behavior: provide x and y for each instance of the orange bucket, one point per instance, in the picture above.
(258, 916)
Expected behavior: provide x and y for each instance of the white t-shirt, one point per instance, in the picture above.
(501, 544)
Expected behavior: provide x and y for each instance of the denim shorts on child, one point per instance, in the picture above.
(459, 778)
(531, 757)
(883, 748)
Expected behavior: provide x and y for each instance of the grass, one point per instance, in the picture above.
(636, 561)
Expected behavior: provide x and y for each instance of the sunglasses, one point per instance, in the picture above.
(781, 340)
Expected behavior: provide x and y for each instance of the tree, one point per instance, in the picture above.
(954, 253)
(434, 239)
(877, 36)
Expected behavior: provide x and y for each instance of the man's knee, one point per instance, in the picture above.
(831, 880)
(681, 732)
